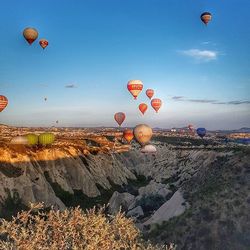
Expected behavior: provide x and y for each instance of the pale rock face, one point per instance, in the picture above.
(135, 212)
(171, 208)
(119, 200)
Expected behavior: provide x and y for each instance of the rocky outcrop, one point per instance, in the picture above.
(171, 208)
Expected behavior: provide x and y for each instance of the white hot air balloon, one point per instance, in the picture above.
(149, 149)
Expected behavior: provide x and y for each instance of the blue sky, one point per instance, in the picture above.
(202, 74)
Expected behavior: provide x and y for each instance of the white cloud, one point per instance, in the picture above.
(201, 55)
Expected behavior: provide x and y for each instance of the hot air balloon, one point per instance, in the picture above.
(30, 34)
(45, 99)
(3, 102)
(32, 139)
(143, 133)
(149, 93)
(201, 132)
(119, 118)
(143, 107)
(206, 17)
(148, 149)
(19, 140)
(128, 135)
(156, 104)
(135, 87)
(43, 43)
(46, 139)
(57, 121)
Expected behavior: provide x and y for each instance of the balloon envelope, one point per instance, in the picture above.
(128, 135)
(143, 107)
(206, 17)
(135, 87)
(149, 93)
(30, 34)
(201, 132)
(46, 138)
(43, 43)
(19, 140)
(3, 102)
(143, 133)
(148, 149)
(156, 104)
(119, 118)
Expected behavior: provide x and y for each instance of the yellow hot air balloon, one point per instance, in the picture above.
(30, 34)
(143, 133)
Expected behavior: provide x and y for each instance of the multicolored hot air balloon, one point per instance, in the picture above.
(119, 118)
(135, 87)
(149, 93)
(201, 132)
(46, 139)
(156, 104)
(43, 43)
(148, 149)
(206, 17)
(128, 135)
(3, 102)
(143, 133)
(30, 34)
(143, 107)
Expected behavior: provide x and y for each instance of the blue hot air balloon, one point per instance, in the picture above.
(201, 132)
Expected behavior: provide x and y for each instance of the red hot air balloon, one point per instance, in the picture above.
(149, 93)
(156, 104)
(43, 43)
(30, 34)
(143, 107)
(3, 102)
(135, 87)
(119, 118)
(206, 17)
(128, 135)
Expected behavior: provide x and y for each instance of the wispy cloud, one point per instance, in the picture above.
(200, 55)
(70, 86)
(185, 99)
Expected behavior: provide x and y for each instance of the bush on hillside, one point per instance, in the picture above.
(71, 229)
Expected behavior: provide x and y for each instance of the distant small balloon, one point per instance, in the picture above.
(119, 118)
(135, 87)
(43, 43)
(206, 17)
(45, 99)
(143, 133)
(3, 102)
(149, 93)
(156, 104)
(128, 135)
(30, 34)
(143, 107)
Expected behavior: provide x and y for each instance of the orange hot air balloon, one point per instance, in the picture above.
(143, 107)
(30, 34)
(206, 17)
(149, 93)
(3, 102)
(128, 135)
(135, 87)
(43, 43)
(156, 104)
(119, 118)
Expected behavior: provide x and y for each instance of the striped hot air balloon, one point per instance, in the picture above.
(156, 104)
(32, 139)
(206, 17)
(3, 102)
(46, 139)
(30, 34)
(149, 93)
(135, 87)
(119, 118)
(43, 43)
(143, 107)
